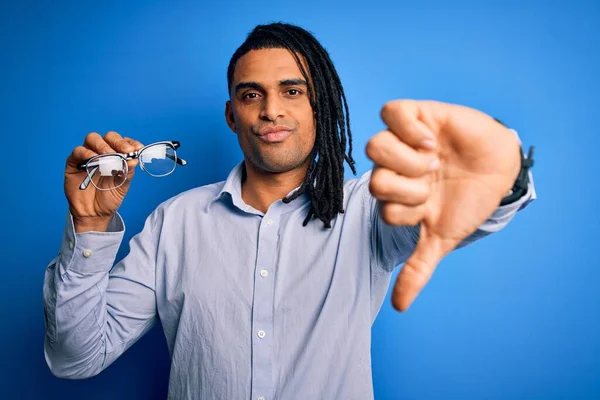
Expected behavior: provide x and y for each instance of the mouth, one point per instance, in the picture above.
(274, 134)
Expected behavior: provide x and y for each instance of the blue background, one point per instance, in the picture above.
(514, 316)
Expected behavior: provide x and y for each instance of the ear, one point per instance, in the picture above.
(229, 116)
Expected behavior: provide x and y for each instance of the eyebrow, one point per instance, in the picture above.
(258, 86)
(293, 82)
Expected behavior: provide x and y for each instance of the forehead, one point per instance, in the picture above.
(266, 65)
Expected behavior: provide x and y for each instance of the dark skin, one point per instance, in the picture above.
(443, 166)
(268, 90)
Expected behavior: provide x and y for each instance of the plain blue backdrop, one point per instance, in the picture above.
(516, 315)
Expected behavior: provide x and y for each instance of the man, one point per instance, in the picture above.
(267, 284)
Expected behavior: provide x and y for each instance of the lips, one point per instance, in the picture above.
(274, 134)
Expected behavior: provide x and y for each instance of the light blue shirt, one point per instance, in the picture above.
(253, 306)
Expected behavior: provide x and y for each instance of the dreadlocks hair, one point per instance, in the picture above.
(324, 181)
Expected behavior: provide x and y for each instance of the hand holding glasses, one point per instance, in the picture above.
(109, 171)
(108, 163)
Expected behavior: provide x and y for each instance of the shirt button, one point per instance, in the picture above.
(264, 273)
(87, 253)
(71, 244)
(260, 398)
(269, 221)
(261, 334)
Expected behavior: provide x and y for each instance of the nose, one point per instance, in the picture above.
(272, 108)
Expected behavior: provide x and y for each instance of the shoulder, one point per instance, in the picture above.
(357, 197)
(358, 184)
(193, 200)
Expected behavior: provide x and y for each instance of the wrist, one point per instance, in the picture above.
(91, 224)
(521, 184)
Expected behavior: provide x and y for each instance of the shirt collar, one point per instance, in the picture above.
(233, 187)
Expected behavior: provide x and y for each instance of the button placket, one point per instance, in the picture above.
(262, 308)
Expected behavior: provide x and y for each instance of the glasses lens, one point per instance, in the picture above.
(107, 172)
(159, 159)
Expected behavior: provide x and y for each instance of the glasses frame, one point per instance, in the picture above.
(89, 163)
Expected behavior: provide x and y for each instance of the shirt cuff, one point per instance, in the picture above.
(503, 214)
(90, 252)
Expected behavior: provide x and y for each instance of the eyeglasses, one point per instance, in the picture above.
(109, 171)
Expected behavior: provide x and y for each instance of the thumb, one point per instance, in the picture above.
(419, 268)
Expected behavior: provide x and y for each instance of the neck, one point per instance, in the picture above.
(260, 189)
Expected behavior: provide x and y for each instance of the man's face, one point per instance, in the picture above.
(270, 110)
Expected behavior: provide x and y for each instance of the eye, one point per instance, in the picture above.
(294, 92)
(250, 96)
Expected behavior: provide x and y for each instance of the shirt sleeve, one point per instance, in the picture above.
(94, 309)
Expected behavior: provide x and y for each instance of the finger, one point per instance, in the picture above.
(122, 145)
(118, 143)
(95, 142)
(418, 269)
(136, 145)
(388, 186)
(403, 118)
(398, 214)
(79, 154)
(386, 150)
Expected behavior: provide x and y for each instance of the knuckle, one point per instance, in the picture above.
(105, 148)
(396, 214)
(390, 215)
(136, 144)
(122, 144)
(373, 186)
(78, 154)
(90, 137)
(373, 149)
(393, 107)
(79, 151)
(389, 107)
(102, 146)
(112, 134)
(377, 186)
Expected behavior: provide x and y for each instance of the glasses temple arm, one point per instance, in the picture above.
(178, 160)
(88, 179)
